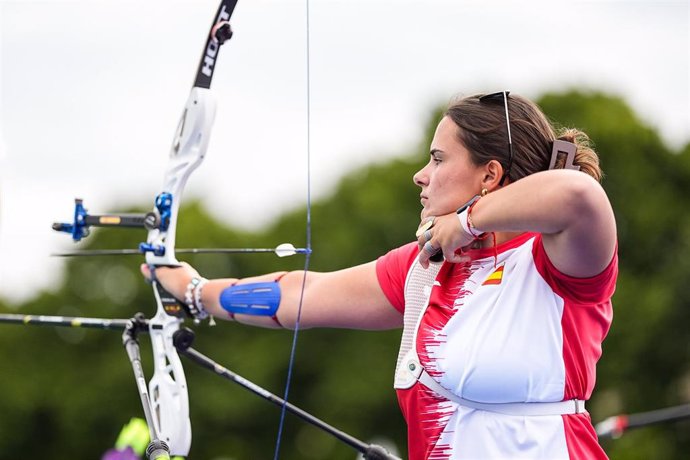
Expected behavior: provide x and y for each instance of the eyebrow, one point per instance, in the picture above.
(435, 151)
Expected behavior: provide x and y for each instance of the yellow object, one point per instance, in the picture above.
(135, 434)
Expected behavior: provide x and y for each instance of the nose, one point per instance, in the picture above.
(420, 178)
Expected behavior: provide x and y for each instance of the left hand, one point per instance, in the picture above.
(446, 235)
(173, 279)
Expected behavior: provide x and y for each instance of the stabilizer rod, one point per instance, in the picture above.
(614, 427)
(65, 321)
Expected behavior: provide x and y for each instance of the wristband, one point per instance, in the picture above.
(465, 219)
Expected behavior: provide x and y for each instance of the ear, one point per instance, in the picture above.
(493, 171)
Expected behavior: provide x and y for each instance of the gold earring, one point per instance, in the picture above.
(485, 192)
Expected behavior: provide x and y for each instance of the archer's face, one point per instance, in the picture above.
(450, 178)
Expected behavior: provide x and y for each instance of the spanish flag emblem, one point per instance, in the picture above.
(495, 277)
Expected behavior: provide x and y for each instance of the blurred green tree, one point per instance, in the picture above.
(66, 393)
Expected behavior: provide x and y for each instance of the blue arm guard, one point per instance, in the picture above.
(258, 299)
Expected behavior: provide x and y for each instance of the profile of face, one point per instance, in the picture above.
(450, 178)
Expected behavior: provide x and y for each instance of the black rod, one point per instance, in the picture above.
(614, 427)
(65, 321)
(156, 449)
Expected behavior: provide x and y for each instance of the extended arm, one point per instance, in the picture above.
(349, 298)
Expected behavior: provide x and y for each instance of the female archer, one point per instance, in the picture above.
(504, 298)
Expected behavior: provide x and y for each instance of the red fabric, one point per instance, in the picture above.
(421, 434)
(587, 315)
(581, 438)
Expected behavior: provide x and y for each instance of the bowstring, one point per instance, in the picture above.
(307, 257)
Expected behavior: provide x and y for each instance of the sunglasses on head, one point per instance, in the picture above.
(502, 96)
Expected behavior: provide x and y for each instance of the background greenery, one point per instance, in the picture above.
(64, 393)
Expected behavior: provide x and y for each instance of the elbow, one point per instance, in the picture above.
(585, 199)
(582, 189)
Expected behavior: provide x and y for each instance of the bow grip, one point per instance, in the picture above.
(171, 304)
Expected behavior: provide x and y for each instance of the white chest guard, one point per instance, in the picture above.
(418, 285)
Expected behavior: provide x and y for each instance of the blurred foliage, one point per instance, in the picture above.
(67, 392)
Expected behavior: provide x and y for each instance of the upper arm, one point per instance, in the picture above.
(586, 244)
(350, 298)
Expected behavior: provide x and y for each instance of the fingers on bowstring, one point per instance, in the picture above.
(427, 251)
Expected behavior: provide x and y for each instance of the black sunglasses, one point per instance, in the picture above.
(503, 95)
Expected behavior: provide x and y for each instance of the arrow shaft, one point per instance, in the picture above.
(132, 252)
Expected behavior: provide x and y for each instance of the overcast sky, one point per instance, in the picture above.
(91, 92)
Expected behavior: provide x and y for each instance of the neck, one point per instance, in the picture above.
(501, 237)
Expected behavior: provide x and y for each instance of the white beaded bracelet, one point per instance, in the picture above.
(192, 298)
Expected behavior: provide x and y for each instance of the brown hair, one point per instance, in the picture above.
(482, 130)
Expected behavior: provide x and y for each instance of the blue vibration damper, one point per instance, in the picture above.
(164, 203)
(258, 299)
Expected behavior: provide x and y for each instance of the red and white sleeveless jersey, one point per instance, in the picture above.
(509, 328)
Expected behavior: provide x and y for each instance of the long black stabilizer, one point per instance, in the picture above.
(65, 321)
(614, 427)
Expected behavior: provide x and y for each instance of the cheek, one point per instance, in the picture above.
(449, 182)
(439, 179)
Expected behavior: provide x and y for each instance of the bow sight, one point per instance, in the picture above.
(159, 219)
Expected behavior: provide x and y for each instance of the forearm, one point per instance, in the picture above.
(212, 291)
(548, 202)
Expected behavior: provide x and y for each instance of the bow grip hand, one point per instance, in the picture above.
(170, 282)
